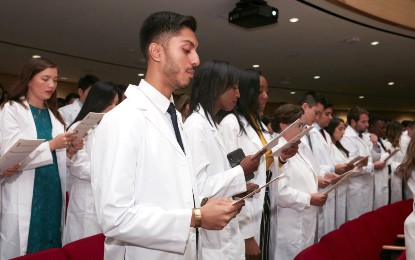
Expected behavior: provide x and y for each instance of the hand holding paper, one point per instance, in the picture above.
(275, 140)
(17, 153)
(87, 123)
(257, 190)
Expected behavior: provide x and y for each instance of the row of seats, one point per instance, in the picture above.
(90, 248)
(362, 238)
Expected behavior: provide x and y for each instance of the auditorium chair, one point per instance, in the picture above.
(365, 237)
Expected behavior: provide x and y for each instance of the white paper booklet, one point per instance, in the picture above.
(87, 123)
(260, 188)
(293, 140)
(271, 144)
(18, 152)
(337, 181)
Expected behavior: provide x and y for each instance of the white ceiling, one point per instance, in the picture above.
(101, 37)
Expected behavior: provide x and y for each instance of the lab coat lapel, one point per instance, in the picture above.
(155, 117)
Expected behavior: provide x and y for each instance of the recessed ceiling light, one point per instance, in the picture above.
(255, 66)
(294, 20)
(361, 97)
(64, 78)
(374, 43)
(316, 77)
(391, 83)
(140, 74)
(36, 56)
(292, 92)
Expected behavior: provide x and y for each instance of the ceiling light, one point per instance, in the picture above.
(361, 97)
(292, 92)
(64, 78)
(391, 83)
(316, 77)
(140, 74)
(374, 43)
(36, 56)
(294, 20)
(255, 66)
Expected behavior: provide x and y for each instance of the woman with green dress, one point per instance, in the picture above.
(33, 199)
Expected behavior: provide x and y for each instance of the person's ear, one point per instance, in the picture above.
(155, 51)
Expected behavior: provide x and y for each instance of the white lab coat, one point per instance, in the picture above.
(71, 111)
(396, 181)
(81, 219)
(233, 138)
(293, 226)
(410, 224)
(342, 189)
(142, 181)
(17, 190)
(215, 178)
(360, 195)
(322, 153)
(381, 179)
(403, 144)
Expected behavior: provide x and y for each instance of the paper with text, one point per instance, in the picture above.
(275, 140)
(18, 152)
(293, 140)
(87, 123)
(260, 188)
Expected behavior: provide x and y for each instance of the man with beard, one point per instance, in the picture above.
(144, 185)
(361, 185)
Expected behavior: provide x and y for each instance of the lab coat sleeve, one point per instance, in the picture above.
(222, 184)
(115, 159)
(288, 197)
(12, 131)
(79, 165)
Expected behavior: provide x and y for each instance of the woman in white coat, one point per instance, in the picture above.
(340, 156)
(391, 142)
(406, 171)
(33, 199)
(81, 219)
(243, 129)
(215, 88)
(296, 194)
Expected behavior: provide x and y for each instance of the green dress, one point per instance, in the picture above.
(45, 219)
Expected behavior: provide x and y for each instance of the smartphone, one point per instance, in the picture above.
(235, 158)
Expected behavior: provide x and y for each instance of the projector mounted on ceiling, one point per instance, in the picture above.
(253, 13)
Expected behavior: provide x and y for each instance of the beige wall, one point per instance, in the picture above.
(64, 88)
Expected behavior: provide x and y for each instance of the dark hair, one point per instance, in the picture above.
(70, 96)
(2, 99)
(286, 114)
(182, 101)
(61, 102)
(335, 122)
(312, 98)
(393, 132)
(29, 70)
(354, 113)
(161, 26)
(211, 80)
(121, 90)
(248, 105)
(375, 118)
(87, 81)
(266, 119)
(100, 96)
